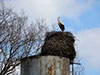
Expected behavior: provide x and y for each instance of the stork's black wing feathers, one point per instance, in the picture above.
(61, 26)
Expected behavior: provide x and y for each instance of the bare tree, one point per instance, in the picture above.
(17, 39)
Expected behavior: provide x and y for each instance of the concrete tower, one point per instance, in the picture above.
(55, 57)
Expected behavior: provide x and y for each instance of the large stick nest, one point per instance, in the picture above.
(59, 44)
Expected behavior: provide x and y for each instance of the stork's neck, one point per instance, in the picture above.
(58, 20)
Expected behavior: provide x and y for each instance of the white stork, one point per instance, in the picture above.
(61, 25)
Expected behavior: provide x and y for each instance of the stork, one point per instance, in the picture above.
(61, 25)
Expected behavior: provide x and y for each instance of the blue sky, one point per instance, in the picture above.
(80, 17)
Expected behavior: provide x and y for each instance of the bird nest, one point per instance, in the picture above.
(59, 44)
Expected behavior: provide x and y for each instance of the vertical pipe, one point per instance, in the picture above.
(72, 69)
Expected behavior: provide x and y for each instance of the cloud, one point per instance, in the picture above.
(89, 46)
(51, 9)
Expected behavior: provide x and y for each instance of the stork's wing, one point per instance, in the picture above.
(61, 22)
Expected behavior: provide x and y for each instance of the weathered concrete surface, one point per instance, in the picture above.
(45, 65)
